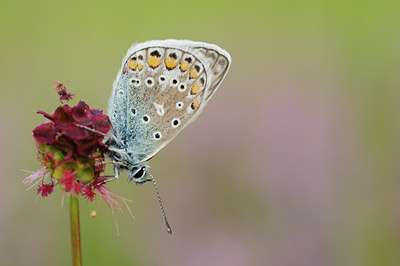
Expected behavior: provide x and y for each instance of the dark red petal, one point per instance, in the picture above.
(87, 147)
(82, 114)
(68, 108)
(65, 145)
(101, 123)
(45, 133)
(62, 116)
(76, 133)
(50, 117)
(96, 111)
(102, 147)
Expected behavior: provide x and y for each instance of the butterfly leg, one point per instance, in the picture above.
(90, 129)
(112, 162)
(115, 177)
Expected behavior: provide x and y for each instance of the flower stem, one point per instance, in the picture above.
(75, 231)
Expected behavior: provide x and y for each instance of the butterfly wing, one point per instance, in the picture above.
(161, 88)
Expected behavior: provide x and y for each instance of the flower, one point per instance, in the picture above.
(45, 189)
(62, 92)
(69, 182)
(88, 193)
(71, 150)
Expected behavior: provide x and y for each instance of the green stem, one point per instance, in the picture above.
(75, 231)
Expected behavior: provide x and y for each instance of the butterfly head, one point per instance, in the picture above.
(125, 160)
(138, 174)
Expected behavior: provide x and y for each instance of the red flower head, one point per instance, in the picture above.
(71, 150)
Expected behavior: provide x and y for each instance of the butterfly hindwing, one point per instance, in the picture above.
(161, 87)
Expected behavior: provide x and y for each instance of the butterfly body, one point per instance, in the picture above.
(161, 87)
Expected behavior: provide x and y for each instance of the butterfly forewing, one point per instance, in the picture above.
(161, 88)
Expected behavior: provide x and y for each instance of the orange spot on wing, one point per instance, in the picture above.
(195, 104)
(140, 66)
(153, 61)
(193, 74)
(124, 69)
(196, 89)
(170, 63)
(184, 65)
(132, 64)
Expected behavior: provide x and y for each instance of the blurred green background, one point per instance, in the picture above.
(295, 161)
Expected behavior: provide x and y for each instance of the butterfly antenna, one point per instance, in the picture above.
(160, 202)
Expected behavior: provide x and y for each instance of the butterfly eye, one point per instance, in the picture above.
(138, 173)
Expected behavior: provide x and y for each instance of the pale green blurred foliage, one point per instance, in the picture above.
(294, 161)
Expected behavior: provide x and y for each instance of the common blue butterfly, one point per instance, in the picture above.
(161, 87)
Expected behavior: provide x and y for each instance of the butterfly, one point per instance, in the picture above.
(162, 86)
